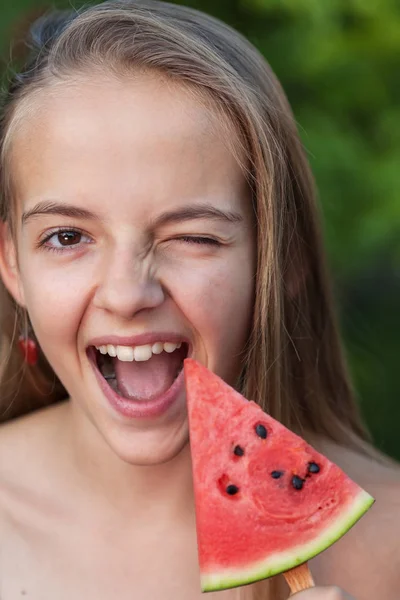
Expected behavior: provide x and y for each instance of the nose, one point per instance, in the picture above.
(127, 286)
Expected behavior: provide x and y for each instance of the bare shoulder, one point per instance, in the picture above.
(29, 432)
(366, 561)
(27, 449)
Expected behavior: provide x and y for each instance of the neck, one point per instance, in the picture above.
(133, 491)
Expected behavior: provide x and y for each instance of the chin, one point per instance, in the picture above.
(148, 447)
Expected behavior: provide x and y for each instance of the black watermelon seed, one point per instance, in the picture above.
(261, 431)
(232, 490)
(276, 474)
(297, 482)
(238, 450)
(313, 467)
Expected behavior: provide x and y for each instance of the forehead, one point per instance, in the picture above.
(144, 137)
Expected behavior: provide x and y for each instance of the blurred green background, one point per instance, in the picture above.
(339, 62)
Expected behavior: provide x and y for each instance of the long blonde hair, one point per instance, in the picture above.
(294, 366)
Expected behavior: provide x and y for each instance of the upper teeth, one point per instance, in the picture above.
(138, 353)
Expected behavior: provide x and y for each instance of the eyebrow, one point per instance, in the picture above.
(199, 211)
(186, 213)
(56, 208)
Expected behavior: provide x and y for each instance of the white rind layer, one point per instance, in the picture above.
(284, 561)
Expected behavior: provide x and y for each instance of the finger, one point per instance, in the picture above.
(323, 593)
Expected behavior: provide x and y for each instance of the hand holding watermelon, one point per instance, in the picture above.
(323, 593)
(301, 585)
(266, 501)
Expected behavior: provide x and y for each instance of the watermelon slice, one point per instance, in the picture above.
(266, 501)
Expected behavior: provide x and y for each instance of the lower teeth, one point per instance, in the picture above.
(112, 382)
(109, 377)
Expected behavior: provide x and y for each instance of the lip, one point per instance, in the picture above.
(144, 409)
(138, 340)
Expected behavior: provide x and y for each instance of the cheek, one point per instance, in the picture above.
(217, 300)
(56, 299)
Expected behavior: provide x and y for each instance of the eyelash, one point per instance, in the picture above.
(185, 238)
(199, 240)
(43, 243)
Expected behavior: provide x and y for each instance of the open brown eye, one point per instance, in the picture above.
(69, 238)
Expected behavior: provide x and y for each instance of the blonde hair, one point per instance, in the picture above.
(294, 366)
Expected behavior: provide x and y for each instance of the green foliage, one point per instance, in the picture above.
(339, 62)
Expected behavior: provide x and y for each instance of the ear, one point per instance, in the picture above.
(9, 271)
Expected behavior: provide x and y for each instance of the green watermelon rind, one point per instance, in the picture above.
(286, 560)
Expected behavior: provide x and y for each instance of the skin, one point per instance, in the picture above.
(79, 484)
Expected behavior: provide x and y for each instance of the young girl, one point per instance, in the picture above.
(156, 204)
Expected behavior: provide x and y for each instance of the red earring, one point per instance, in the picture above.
(29, 349)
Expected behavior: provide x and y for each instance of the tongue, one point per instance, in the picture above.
(149, 379)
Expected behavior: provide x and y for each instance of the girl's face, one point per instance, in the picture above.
(135, 230)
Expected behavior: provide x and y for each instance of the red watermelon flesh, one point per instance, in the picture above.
(266, 501)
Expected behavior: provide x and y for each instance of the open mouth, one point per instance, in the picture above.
(140, 373)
